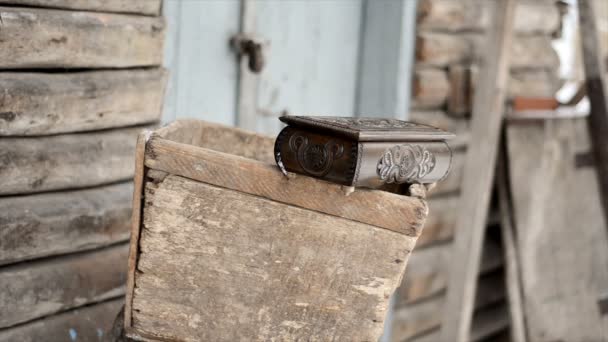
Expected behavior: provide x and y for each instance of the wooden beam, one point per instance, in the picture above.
(54, 223)
(44, 38)
(225, 170)
(89, 323)
(511, 255)
(597, 91)
(41, 288)
(488, 108)
(51, 103)
(66, 161)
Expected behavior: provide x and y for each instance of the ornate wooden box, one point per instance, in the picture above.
(225, 248)
(365, 152)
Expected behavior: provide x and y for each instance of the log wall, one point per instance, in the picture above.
(449, 46)
(79, 79)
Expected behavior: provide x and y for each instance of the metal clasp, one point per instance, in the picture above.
(250, 47)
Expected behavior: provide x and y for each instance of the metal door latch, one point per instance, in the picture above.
(250, 47)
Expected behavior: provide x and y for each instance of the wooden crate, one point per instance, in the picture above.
(226, 248)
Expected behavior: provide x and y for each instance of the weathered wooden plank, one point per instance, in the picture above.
(531, 16)
(68, 161)
(138, 189)
(488, 108)
(40, 225)
(526, 52)
(146, 7)
(417, 318)
(428, 268)
(43, 38)
(42, 103)
(197, 251)
(432, 87)
(90, 323)
(563, 276)
(49, 286)
(399, 213)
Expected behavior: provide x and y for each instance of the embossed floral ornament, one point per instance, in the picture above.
(405, 164)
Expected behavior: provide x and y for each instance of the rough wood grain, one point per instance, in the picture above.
(417, 318)
(488, 108)
(54, 223)
(146, 7)
(531, 16)
(200, 244)
(526, 52)
(560, 231)
(398, 213)
(90, 323)
(428, 269)
(45, 287)
(51, 103)
(68, 161)
(43, 38)
(432, 87)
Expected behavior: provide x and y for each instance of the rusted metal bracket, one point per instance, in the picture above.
(245, 45)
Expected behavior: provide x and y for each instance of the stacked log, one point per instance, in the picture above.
(448, 51)
(79, 79)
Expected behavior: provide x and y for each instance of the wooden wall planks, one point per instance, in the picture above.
(45, 38)
(89, 323)
(145, 7)
(532, 16)
(51, 103)
(46, 224)
(67, 161)
(42, 288)
(560, 231)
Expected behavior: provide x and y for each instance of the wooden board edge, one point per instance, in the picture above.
(177, 158)
(138, 185)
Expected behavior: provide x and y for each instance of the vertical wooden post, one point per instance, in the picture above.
(598, 95)
(488, 108)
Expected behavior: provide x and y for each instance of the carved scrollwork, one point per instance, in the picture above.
(315, 159)
(408, 163)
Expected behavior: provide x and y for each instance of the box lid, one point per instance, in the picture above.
(369, 129)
